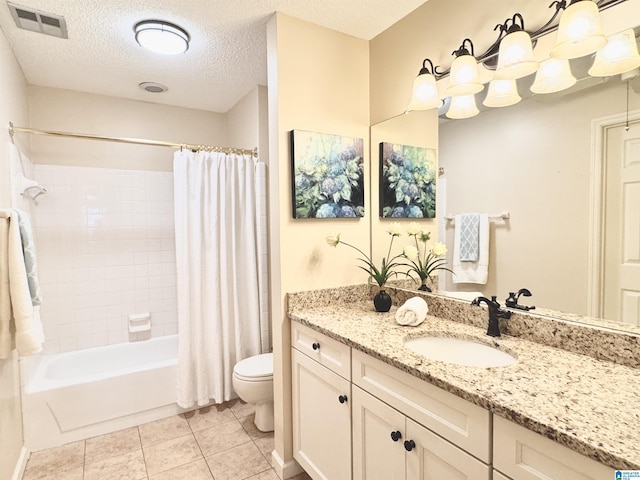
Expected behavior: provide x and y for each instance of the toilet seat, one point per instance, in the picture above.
(258, 368)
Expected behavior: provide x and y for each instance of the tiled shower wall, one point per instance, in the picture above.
(106, 249)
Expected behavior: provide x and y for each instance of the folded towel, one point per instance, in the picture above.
(469, 224)
(29, 252)
(472, 272)
(413, 312)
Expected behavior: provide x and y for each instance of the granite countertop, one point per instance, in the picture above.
(591, 406)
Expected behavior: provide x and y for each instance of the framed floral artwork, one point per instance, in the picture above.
(327, 175)
(407, 181)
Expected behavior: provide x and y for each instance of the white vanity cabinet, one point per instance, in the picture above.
(321, 404)
(521, 454)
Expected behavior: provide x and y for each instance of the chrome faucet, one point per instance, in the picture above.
(495, 312)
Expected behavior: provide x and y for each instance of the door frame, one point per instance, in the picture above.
(599, 127)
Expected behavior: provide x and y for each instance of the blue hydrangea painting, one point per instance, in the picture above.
(328, 175)
(407, 181)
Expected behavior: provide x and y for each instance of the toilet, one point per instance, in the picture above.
(253, 382)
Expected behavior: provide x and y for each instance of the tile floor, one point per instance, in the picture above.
(214, 443)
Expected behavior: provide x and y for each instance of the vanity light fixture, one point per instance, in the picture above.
(162, 37)
(502, 93)
(554, 75)
(579, 31)
(464, 78)
(425, 92)
(463, 106)
(619, 55)
(515, 57)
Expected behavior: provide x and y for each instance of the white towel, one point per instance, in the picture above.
(472, 272)
(7, 342)
(29, 251)
(412, 312)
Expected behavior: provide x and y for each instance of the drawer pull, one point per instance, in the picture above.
(315, 346)
(395, 436)
(409, 445)
(342, 398)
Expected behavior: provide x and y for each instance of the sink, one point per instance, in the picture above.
(459, 351)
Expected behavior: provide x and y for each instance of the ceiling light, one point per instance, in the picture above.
(619, 55)
(464, 78)
(425, 92)
(579, 32)
(162, 37)
(502, 93)
(463, 107)
(554, 75)
(515, 57)
(153, 87)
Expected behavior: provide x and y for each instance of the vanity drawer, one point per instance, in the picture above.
(459, 421)
(525, 455)
(332, 354)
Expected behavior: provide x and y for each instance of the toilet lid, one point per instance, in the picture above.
(257, 366)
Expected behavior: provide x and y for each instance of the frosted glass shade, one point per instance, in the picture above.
(162, 37)
(515, 57)
(619, 55)
(579, 32)
(425, 93)
(463, 107)
(464, 78)
(502, 93)
(554, 75)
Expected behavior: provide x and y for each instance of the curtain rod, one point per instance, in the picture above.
(136, 141)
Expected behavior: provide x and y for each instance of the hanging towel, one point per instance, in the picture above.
(412, 312)
(6, 325)
(29, 252)
(472, 272)
(469, 224)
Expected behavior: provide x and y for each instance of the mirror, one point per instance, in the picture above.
(537, 160)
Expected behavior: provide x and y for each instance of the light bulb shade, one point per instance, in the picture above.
(162, 37)
(515, 57)
(502, 93)
(579, 32)
(619, 55)
(425, 93)
(554, 75)
(464, 78)
(462, 107)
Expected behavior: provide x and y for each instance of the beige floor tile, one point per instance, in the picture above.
(237, 463)
(239, 408)
(163, 430)
(170, 454)
(208, 417)
(129, 466)
(267, 475)
(198, 470)
(221, 437)
(73, 474)
(266, 444)
(112, 445)
(54, 460)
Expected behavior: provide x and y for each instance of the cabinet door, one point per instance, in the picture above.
(433, 458)
(498, 476)
(377, 454)
(321, 419)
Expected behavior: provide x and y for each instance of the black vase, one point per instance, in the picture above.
(382, 301)
(424, 287)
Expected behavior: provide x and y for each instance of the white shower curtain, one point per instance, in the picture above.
(218, 272)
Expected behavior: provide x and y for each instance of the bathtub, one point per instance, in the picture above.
(75, 395)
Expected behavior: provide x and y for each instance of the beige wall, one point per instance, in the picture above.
(318, 81)
(13, 107)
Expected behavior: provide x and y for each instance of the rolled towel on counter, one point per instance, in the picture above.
(413, 312)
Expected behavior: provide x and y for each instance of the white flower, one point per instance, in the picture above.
(439, 249)
(394, 229)
(333, 240)
(410, 251)
(413, 228)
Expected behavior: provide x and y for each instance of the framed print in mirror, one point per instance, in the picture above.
(407, 181)
(327, 175)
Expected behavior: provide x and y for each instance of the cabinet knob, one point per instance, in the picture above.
(342, 398)
(395, 436)
(409, 445)
(315, 346)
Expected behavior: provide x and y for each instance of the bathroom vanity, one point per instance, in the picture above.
(365, 406)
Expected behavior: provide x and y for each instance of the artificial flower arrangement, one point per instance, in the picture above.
(426, 261)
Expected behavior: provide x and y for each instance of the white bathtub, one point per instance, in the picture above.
(75, 395)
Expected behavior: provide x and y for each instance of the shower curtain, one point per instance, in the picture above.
(219, 279)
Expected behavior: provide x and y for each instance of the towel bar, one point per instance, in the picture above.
(494, 216)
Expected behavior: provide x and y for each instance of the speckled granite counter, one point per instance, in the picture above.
(589, 405)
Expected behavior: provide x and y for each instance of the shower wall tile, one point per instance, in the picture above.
(106, 249)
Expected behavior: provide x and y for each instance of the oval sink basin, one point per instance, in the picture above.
(460, 352)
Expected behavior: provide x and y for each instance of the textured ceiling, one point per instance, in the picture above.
(227, 57)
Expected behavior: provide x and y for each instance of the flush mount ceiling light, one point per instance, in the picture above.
(161, 37)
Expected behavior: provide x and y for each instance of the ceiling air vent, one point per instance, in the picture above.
(37, 21)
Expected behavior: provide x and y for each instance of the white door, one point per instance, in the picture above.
(621, 232)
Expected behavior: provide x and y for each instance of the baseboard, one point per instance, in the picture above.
(284, 469)
(18, 472)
